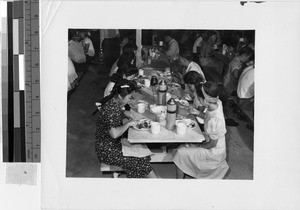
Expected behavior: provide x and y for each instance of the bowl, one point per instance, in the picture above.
(158, 109)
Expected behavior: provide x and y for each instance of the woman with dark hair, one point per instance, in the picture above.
(191, 79)
(127, 59)
(186, 60)
(110, 128)
(208, 159)
(123, 73)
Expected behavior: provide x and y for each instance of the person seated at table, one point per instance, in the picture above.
(110, 127)
(76, 53)
(185, 59)
(172, 51)
(87, 45)
(110, 43)
(208, 48)
(230, 80)
(206, 160)
(123, 73)
(128, 57)
(235, 68)
(245, 90)
(196, 47)
(191, 79)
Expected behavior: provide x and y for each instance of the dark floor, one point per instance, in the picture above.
(81, 126)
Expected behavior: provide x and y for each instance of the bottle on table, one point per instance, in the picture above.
(171, 114)
(162, 93)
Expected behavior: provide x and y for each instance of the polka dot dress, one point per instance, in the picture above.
(109, 150)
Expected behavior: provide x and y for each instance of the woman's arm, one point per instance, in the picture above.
(209, 143)
(118, 131)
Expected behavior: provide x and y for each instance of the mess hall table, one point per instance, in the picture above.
(165, 137)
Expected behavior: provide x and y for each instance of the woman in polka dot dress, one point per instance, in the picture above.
(110, 128)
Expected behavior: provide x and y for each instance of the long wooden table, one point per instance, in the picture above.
(165, 137)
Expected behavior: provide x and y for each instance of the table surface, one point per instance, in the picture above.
(165, 136)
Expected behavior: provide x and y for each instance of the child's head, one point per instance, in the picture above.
(245, 54)
(209, 92)
(127, 72)
(126, 58)
(131, 73)
(129, 47)
(122, 92)
(191, 79)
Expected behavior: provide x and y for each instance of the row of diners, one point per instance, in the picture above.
(221, 54)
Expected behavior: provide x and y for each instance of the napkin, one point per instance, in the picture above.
(136, 150)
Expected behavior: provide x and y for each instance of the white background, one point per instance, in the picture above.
(276, 183)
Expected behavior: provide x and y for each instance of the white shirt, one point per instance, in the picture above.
(173, 50)
(72, 76)
(76, 52)
(246, 83)
(195, 67)
(197, 44)
(114, 68)
(91, 50)
(108, 33)
(109, 88)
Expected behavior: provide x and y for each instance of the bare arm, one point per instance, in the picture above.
(118, 131)
(209, 143)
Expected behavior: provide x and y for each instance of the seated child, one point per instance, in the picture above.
(208, 159)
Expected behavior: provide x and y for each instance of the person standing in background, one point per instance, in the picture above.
(173, 47)
(110, 44)
(87, 45)
(95, 37)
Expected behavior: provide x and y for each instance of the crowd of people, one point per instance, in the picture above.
(233, 60)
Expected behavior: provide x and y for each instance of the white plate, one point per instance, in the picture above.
(189, 123)
(134, 104)
(143, 122)
(158, 109)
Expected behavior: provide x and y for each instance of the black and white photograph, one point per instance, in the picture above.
(170, 104)
(150, 105)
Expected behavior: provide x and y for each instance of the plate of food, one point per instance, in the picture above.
(158, 109)
(142, 125)
(134, 103)
(189, 123)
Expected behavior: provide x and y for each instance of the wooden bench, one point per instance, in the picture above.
(157, 157)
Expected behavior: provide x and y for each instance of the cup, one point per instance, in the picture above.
(147, 82)
(155, 127)
(141, 107)
(181, 127)
(141, 72)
